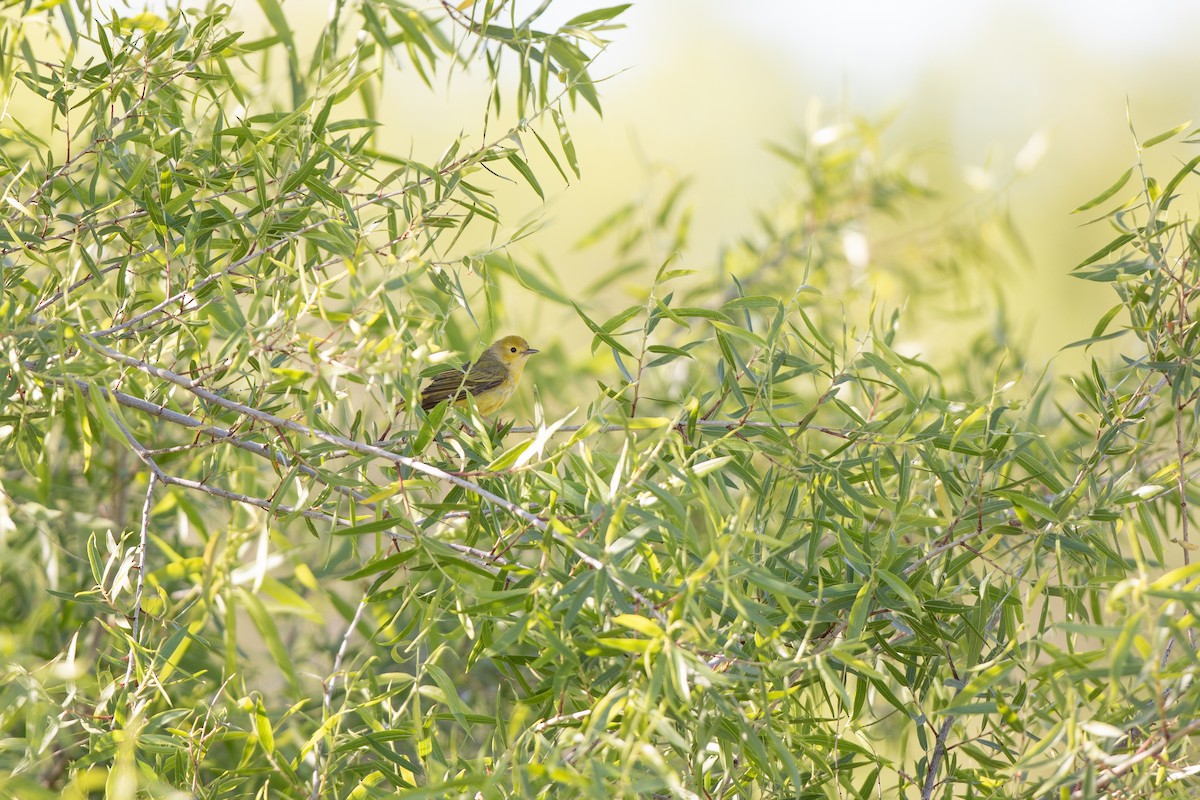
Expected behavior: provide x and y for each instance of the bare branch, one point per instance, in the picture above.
(1147, 750)
(217, 433)
(935, 760)
(481, 558)
(315, 433)
(348, 444)
(327, 696)
(140, 567)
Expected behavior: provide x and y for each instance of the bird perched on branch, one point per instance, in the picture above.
(490, 381)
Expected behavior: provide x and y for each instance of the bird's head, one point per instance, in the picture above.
(512, 350)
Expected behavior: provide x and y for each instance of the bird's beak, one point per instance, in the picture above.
(530, 351)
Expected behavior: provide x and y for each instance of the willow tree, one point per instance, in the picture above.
(752, 544)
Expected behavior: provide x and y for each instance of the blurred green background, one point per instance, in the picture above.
(1023, 104)
(1028, 99)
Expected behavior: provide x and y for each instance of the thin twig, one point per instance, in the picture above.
(315, 433)
(197, 742)
(851, 435)
(1112, 773)
(327, 698)
(935, 761)
(140, 567)
(939, 746)
(1182, 481)
(348, 444)
(944, 546)
(219, 434)
(723, 424)
(480, 558)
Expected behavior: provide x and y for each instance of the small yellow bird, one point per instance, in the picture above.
(490, 381)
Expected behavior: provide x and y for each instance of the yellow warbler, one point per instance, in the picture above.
(490, 381)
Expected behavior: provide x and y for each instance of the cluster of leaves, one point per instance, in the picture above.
(776, 556)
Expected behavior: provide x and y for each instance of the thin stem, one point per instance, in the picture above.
(315, 433)
(140, 568)
(720, 424)
(219, 434)
(1114, 771)
(327, 697)
(1182, 480)
(483, 559)
(935, 760)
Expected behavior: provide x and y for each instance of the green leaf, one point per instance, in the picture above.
(266, 626)
(374, 526)
(275, 15)
(860, 610)
(901, 588)
(564, 139)
(526, 277)
(1162, 137)
(599, 15)
(526, 173)
(262, 727)
(1188, 169)
(737, 332)
(1030, 504)
(1114, 245)
(375, 566)
(1107, 193)
(752, 301)
(601, 335)
(553, 158)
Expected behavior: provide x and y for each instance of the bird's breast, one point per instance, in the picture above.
(490, 401)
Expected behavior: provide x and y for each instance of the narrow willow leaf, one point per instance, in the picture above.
(526, 173)
(1168, 134)
(1107, 193)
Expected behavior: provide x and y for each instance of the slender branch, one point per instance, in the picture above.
(850, 435)
(935, 760)
(562, 719)
(200, 742)
(327, 697)
(939, 746)
(480, 558)
(349, 444)
(1182, 481)
(224, 435)
(1184, 522)
(52, 299)
(1139, 400)
(1115, 771)
(944, 546)
(721, 424)
(315, 433)
(140, 566)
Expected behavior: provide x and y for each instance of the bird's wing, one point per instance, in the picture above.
(442, 386)
(449, 385)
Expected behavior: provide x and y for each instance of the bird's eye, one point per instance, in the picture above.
(513, 349)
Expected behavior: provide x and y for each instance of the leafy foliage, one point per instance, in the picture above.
(771, 552)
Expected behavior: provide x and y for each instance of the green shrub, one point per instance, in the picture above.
(771, 552)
